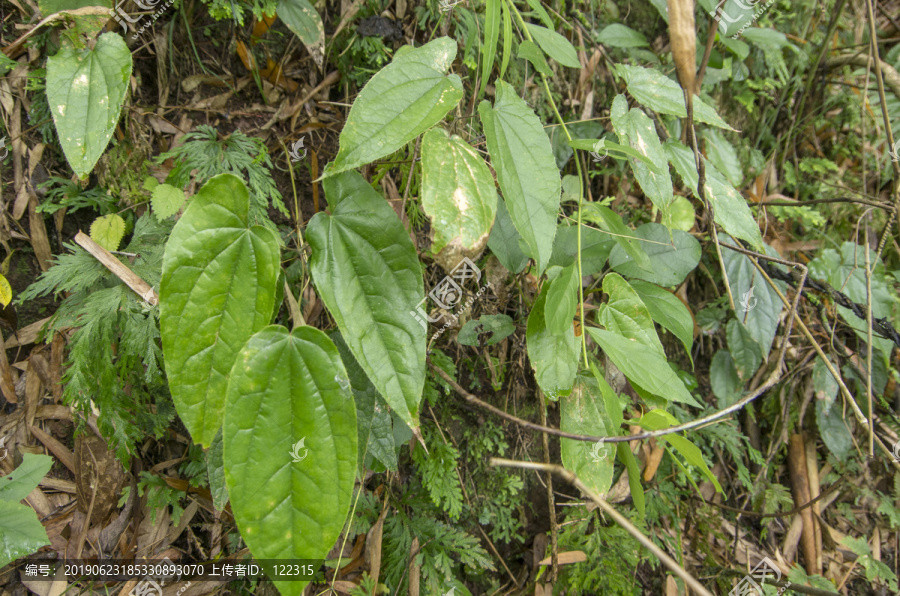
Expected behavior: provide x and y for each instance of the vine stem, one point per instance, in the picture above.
(527, 34)
(609, 510)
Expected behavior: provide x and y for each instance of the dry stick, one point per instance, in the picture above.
(609, 510)
(879, 77)
(554, 530)
(792, 203)
(141, 288)
(806, 332)
(869, 346)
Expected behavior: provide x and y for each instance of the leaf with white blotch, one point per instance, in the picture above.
(166, 200)
(301, 17)
(553, 357)
(85, 90)
(368, 275)
(667, 310)
(526, 170)
(637, 127)
(763, 306)
(562, 300)
(583, 412)
(402, 100)
(458, 192)
(554, 45)
(625, 313)
(661, 94)
(285, 390)
(672, 257)
(108, 230)
(730, 208)
(218, 286)
(646, 368)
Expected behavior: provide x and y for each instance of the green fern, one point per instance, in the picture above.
(115, 358)
(245, 157)
(438, 473)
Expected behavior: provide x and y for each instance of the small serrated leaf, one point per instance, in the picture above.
(107, 231)
(166, 201)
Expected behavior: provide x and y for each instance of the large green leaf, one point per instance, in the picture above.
(526, 170)
(21, 533)
(729, 207)
(642, 366)
(611, 222)
(671, 257)
(635, 126)
(491, 35)
(745, 350)
(829, 414)
(368, 275)
(661, 94)
(301, 17)
(553, 357)
(290, 445)
(667, 310)
(625, 313)
(595, 247)
(19, 483)
(758, 305)
(402, 100)
(458, 192)
(723, 155)
(724, 379)
(219, 277)
(620, 36)
(583, 412)
(562, 299)
(504, 241)
(554, 45)
(86, 90)
(375, 434)
(846, 271)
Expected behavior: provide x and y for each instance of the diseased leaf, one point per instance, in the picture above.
(85, 91)
(486, 330)
(554, 45)
(553, 357)
(218, 286)
(670, 263)
(562, 300)
(661, 94)
(458, 192)
(402, 100)
(290, 445)
(583, 412)
(625, 314)
(108, 230)
(527, 173)
(5, 291)
(667, 310)
(301, 17)
(644, 367)
(368, 275)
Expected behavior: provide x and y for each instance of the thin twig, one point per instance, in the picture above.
(617, 517)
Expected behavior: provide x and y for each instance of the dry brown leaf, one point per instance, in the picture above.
(568, 558)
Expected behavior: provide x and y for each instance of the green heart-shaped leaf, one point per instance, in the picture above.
(218, 286)
(290, 445)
